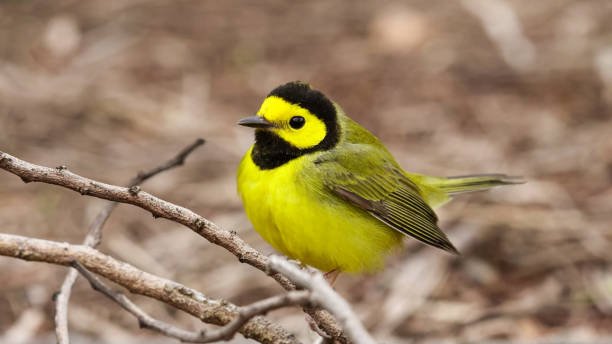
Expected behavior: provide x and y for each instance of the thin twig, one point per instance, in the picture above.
(94, 236)
(325, 296)
(29, 172)
(227, 332)
(178, 160)
(211, 311)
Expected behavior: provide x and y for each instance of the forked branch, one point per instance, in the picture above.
(227, 332)
(61, 176)
(217, 312)
(94, 236)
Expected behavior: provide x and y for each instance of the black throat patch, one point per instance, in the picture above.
(271, 151)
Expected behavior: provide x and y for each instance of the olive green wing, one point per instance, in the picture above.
(371, 180)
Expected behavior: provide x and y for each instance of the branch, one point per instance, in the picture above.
(94, 236)
(217, 312)
(159, 208)
(227, 332)
(324, 295)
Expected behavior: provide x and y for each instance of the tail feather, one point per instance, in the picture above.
(438, 190)
(476, 182)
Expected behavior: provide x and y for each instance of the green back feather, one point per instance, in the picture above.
(366, 175)
(363, 172)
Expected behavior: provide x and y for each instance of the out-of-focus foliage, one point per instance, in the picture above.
(453, 87)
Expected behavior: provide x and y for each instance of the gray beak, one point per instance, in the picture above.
(256, 122)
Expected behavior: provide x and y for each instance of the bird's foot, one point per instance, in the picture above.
(331, 276)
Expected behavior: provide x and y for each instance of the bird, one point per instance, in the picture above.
(323, 190)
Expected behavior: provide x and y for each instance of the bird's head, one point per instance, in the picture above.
(302, 117)
(293, 120)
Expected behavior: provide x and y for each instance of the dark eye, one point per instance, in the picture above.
(296, 122)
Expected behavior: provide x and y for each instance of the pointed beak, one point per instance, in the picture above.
(256, 122)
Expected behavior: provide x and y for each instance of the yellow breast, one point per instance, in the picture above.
(294, 213)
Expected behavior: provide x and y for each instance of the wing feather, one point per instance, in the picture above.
(384, 191)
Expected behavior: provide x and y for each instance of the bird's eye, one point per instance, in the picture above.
(296, 122)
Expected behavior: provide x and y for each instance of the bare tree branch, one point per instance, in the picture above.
(324, 295)
(94, 236)
(61, 307)
(227, 332)
(29, 172)
(217, 312)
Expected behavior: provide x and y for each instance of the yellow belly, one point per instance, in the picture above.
(300, 219)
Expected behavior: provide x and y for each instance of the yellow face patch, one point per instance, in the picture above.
(280, 112)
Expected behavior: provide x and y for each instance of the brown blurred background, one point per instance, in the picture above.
(452, 87)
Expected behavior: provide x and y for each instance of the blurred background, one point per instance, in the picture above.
(109, 88)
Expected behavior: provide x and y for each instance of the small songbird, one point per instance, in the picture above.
(322, 189)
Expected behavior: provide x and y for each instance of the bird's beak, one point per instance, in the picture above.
(256, 122)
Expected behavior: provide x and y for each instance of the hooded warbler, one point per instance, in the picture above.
(322, 189)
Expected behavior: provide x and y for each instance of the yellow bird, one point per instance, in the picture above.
(322, 189)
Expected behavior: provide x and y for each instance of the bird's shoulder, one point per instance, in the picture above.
(359, 156)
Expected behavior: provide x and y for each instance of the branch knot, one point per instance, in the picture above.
(134, 190)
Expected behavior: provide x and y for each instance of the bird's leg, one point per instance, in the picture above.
(331, 276)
